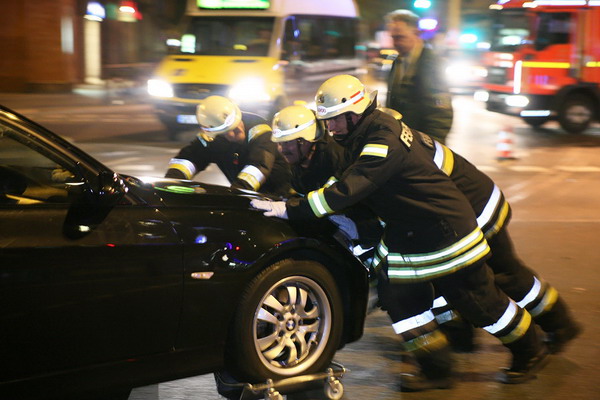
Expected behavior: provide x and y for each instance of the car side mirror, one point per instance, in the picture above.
(111, 189)
(89, 212)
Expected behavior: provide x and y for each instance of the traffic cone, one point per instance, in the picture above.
(504, 146)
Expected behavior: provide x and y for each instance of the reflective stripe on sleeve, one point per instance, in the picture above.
(443, 158)
(377, 150)
(413, 322)
(252, 175)
(330, 182)
(318, 204)
(532, 295)
(186, 166)
(380, 254)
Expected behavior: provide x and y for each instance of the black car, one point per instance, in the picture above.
(108, 282)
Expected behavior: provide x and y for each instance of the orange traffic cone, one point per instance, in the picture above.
(504, 147)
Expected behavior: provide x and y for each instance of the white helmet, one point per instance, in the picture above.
(295, 122)
(341, 94)
(217, 114)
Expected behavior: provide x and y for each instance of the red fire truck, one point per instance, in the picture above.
(544, 62)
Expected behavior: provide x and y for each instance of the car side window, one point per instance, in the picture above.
(28, 177)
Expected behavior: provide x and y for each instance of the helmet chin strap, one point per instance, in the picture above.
(304, 157)
(349, 128)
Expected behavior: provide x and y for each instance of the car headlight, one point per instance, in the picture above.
(516, 101)
(159, 88)
(249, 89)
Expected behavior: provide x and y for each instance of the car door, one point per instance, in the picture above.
(80, 283)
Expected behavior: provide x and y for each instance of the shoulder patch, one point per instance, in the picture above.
(258, 130)
(406, 136)
(426, 140)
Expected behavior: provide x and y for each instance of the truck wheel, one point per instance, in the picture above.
(289, 323)
(576, 113)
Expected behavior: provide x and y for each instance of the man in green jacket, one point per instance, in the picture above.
(416, 85)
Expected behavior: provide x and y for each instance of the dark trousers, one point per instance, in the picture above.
(471, 292)
(511, 274)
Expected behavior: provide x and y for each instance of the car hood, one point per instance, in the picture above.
(175, 192)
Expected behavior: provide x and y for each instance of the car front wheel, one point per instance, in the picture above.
(289, 323)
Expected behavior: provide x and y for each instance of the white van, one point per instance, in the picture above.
(260, 53)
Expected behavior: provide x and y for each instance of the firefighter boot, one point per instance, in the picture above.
(460, 334)
(529, 355)
(559, 325)
(436, 371)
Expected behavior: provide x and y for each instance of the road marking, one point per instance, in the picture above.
(528, 168)
(574, 168)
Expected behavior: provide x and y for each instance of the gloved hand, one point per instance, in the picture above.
(346, 225)
(272, 208)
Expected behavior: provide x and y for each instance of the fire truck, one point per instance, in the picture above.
(544, 62)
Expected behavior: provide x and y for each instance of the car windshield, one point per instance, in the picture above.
(228, 36)
(510, 30)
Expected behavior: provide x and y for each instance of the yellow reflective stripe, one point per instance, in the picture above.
(252, 175)
(250, 179)
(448, 164)
(426, 343)
(546, 64)
(492, 204)
(330, 182)
(185, 166)
(547, 302)
(592, 64)
(446, 317)
(457, 248)
(317, 202)
(377, 150)
(499, 222)
(519, 331)
(534, 292)
(418, 273)
(380, 253)
(505, 320)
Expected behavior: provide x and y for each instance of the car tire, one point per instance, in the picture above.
(576, 113)
(289, 323)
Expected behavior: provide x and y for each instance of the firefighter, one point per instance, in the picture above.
(315, 159)
(302, 141)
(239, 143)
(431, 237)
(515, 279)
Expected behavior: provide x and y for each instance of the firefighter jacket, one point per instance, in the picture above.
(487, 200)
(326, 164)
(255, 164)
(430, 228)
(421, 94)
